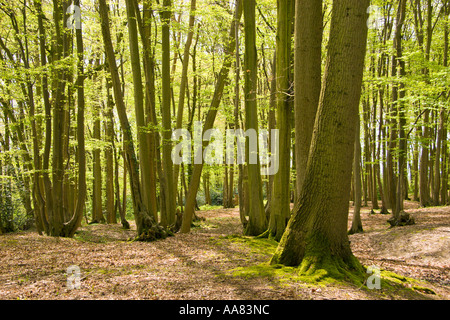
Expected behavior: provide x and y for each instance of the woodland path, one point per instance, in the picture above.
(200, 265)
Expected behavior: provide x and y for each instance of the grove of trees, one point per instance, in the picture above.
(91, 92)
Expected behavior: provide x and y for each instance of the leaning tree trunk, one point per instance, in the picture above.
(316, 237)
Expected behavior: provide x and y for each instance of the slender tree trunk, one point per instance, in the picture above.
(280, 196)
(109, 156)
(398, 93)
(307, 79)
(356, 220)
(97, 210)
(144, 150)
(168, 214)
(147, 227)
(257, 219)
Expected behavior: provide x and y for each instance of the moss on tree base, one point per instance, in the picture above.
(153, 233)
(314, 268)
(403, 219)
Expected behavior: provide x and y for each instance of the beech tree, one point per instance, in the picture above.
(257, 222)
(316, 237)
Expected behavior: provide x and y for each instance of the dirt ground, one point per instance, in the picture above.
(197, 265)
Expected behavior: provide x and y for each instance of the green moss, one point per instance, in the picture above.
(319, 270)
(423, 289)
(256, 245)
(315, 268)
(284, 275)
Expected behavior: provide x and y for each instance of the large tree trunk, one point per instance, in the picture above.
(56, 215)
(316, 237)
(184, 80)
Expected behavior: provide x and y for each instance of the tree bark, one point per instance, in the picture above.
(280, 195)
(356, 220)
(168, 213)
(257, 222)
(307, 79)
(147, 227)
(316, 237)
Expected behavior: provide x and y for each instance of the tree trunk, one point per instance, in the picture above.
(307, 79)
(168, 213)
(97, 211)
(316, 237)
(143, 142)
(257, 222)
(147, 227)
(356, 221)
(184, 79)
(109, 156)
(280, 196)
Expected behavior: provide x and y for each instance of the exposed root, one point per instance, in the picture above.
(404, 219)
(321, 268)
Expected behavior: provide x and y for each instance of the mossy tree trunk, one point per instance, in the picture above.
(316, 237)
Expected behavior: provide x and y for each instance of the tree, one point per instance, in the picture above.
(209, 120)
(168, 187)
(356, 221)
(257, 222)
(138, 90)
(280, 196)
(147, 227)
(316, 236)
(307, 79)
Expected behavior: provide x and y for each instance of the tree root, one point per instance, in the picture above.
(404, 219)
(317, 269)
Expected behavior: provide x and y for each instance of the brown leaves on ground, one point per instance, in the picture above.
(196, 265)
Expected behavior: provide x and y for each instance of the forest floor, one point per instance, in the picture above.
(215, 261)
